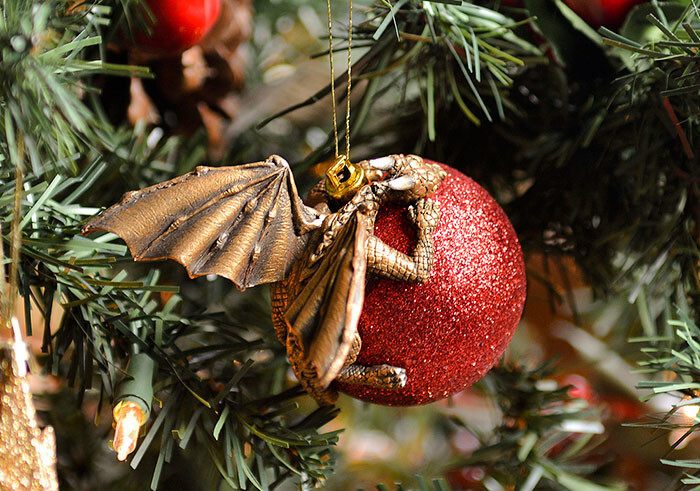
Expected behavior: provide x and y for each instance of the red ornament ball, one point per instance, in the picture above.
(608, 13)
(448, 332)
(177, 25)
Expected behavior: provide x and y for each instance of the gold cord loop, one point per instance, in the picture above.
(330, 58)
(333, 100)
(347, 112)
(343, 179)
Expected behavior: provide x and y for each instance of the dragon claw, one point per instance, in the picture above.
(383, 163)
(391, 377)
(424, 214)
(386, 377)
(402, 183)
(378, 376)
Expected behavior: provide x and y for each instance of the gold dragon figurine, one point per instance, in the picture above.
(247, 223)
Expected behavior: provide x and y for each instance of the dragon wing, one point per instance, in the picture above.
(324, 313)
(245, 223)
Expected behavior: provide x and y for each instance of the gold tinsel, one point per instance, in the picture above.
(27, 454)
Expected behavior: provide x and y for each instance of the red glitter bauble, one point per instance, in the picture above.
(177, 25)
(448, 332)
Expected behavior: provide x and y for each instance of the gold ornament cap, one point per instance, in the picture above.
(344, 179)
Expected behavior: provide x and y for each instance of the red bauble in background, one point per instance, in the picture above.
(449, 331)
(608, 13)
(178, 25)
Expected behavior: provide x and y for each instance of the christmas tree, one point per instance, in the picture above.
(581, 120)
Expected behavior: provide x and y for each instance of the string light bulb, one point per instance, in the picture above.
(679, 438)
(133, 406)
(128, 419)
(690, 411)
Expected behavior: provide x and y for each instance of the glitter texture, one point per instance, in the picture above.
(27, 454)
(449, 331)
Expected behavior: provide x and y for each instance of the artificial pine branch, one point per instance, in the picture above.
(432, 54)
(474, 45)
(676, 356)
(626, 156)
(103, 312)
(46, 124)
(545, 435)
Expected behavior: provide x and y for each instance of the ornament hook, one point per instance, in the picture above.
(344, 179)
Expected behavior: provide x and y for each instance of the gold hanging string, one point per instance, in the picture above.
(333, 100)
(330, 58)
(343, 179)
(347, 112)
